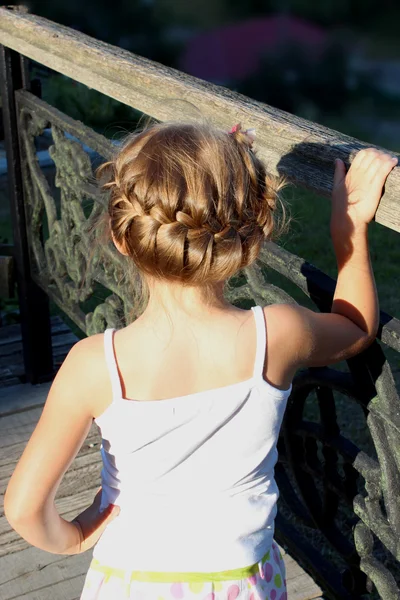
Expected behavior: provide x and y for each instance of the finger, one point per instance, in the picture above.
(104, 518)
(383, 169)
(340, 172)
(380, 165)
(359, 157)
(115, 511)
(98, 526)
(367, 158)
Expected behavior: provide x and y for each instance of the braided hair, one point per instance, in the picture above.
(190, 203)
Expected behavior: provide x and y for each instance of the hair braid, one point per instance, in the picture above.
(190, 203)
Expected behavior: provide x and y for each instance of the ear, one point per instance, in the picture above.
(120, 247)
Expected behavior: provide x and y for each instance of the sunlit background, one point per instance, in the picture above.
(335, 62)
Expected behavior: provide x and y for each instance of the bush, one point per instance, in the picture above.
(85, 104)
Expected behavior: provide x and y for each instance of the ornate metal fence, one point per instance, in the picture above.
(340, 505)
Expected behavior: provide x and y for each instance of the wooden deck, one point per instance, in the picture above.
(11, 361)
(30, 574)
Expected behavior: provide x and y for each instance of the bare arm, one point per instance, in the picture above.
(63, 426)
(355, 200)
(318, 339)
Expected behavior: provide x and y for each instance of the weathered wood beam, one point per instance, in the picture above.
(302, 150)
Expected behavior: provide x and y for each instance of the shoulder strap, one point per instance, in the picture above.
(112, 363)
(261, 344)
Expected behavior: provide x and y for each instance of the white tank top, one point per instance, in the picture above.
(193, 475)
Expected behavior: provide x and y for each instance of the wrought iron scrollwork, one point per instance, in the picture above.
(69, 262)
(351, 497)
(331, 488)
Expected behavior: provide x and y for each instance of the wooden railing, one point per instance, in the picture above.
(339, 512)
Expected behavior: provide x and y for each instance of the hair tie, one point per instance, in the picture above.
(250, 134)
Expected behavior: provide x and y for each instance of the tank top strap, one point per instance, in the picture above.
(112, 363)
(261, 343)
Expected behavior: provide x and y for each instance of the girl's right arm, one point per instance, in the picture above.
(319, 339)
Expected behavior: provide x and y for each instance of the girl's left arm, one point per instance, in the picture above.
(63, 426)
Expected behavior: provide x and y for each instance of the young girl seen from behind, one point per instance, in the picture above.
(190, 397)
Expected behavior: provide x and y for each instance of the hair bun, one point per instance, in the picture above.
(188, 204)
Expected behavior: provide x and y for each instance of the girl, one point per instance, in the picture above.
(190, 397)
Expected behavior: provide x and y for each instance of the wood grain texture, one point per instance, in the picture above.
(302, 150)
(34, 574)
(12, 365)
(81, 481)
(299, 583)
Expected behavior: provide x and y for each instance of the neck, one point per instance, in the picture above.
(175, 299)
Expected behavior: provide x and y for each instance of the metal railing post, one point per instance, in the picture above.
(33, 302)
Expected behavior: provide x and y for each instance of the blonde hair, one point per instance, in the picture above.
(190, 203)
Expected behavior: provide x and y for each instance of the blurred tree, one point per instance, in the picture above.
(99, 18)
(84, 104)
(295, 82)
(334, 12)
(217, 13)
(192, 14)
(158, 29)
(131, 24)
(139, 19)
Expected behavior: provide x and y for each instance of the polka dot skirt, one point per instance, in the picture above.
(268, 583)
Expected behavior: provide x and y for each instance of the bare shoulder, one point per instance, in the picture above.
(84, 373)
(285, 320)
(294, 334)
(312, 338)
(284, 326)
(88, 353)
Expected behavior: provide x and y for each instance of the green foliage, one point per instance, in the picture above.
(84, 104)
(131, 24)
(309, 238)
(102, 20)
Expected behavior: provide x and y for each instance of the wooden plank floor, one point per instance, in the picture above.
(27, 573)
(11, 359)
